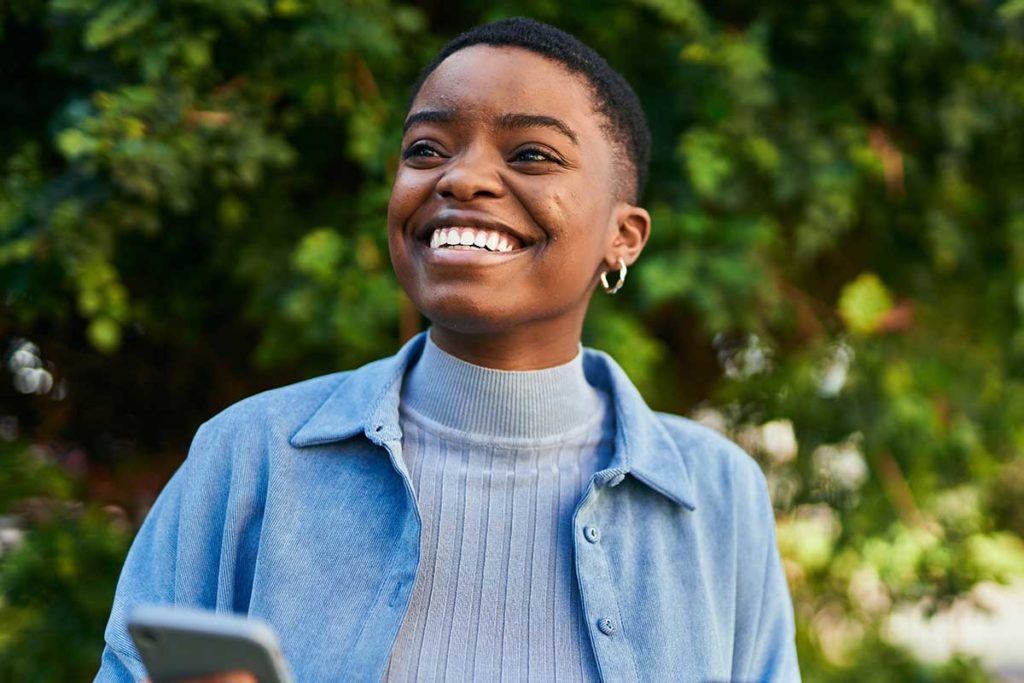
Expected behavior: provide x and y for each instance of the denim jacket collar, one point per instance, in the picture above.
(365, 401)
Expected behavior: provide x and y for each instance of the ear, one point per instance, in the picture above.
(629, 229)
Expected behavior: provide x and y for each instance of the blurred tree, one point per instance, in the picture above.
(192, 209)
(59, 562)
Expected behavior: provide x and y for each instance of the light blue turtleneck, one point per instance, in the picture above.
(498, 461)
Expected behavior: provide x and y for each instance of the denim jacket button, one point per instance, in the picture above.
(591, 533)
(606, 625)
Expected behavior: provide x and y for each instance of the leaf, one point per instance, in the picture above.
(863, 303)
(116, 21)
(1011, 10)
(706, 161)
(104, 334)
(74, 143)
(997, 556)
(319, 254)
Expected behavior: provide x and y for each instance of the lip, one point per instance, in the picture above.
(465, 219)
(466, 257)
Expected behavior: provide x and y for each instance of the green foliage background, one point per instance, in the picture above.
(192, 202)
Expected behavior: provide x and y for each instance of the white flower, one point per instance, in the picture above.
(832, 376)
(778, 440)
(841, 465)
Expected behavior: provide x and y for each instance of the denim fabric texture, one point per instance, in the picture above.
(295, 506)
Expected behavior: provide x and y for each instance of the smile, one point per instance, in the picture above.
(477, 239)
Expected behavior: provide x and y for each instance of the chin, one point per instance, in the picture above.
(466, 314)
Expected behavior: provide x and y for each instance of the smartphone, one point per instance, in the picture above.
(177, 643)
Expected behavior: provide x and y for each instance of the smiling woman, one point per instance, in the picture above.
(495, 501)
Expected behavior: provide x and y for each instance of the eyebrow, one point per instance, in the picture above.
(505, 121)
(510, 121)
(427, 116)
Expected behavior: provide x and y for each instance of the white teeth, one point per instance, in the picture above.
(491, 240)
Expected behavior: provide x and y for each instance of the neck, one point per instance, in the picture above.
(523, 347)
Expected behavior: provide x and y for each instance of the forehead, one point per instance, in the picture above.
(487, 81)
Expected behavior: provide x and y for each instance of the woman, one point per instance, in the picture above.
(494, 501)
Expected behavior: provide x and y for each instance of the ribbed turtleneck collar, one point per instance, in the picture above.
(500, 403)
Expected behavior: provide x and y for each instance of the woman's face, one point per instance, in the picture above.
(502, 212)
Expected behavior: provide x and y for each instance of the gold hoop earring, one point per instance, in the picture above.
(611, 289)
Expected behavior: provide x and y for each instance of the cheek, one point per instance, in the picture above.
(576, 223)
(408, 193)
(410, 189)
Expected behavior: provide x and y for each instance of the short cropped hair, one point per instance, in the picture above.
(625, 124)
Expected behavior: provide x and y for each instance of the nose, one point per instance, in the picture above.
(470, 175)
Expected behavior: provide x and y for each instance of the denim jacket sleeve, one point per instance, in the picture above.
(173, 559)
(765, 637)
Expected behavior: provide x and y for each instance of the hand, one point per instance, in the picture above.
(229, 677)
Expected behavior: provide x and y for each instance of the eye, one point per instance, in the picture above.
(534, 155)
(421, 150)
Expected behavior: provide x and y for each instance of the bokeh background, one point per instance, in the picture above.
(192, 209)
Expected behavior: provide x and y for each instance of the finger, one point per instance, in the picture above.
(232, 677)
(229, 677)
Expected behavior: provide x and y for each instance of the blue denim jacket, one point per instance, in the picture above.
(295, 506)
